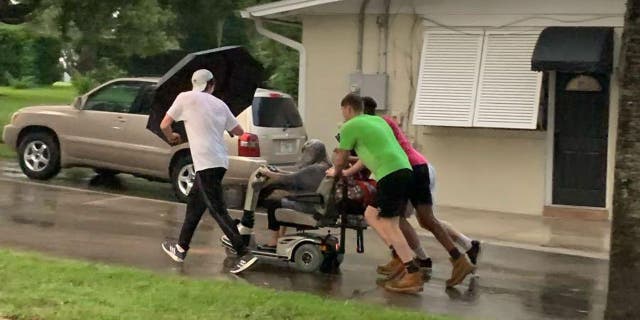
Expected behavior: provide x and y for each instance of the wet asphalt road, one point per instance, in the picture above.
(117, 228)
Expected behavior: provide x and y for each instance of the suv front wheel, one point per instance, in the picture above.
(182, 177)
(39, 156)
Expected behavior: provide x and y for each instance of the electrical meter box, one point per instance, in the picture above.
(372, 85)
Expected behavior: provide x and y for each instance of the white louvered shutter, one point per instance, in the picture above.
(446, 90)
(508, 91)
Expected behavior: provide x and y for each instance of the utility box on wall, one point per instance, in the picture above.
(372, 85)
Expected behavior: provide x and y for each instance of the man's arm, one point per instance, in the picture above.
(355, 168)
(173, 137)
(237, 131)
(341, 162)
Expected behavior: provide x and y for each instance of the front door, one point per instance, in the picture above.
(97, 132)
(580, 150)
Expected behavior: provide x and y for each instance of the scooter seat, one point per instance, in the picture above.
(293, 217)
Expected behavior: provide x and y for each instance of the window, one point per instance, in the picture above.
(142, 103)
(116, 97)
(478, 79)
(275, 113)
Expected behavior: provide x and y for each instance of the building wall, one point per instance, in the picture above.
(331, 46)
(487, 169)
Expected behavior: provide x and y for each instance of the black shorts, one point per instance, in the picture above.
(393, 193)
(420, 192)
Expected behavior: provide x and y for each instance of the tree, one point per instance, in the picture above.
(280, 62)
(16, 13)
(116, 29)
(624, 265)
(199, 23)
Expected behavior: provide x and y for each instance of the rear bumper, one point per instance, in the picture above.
(241, 168)
(10, 136)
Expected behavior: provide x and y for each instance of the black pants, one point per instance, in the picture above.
(272, 205)
(206, 193)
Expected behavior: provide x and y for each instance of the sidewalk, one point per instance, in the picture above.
(561, 235)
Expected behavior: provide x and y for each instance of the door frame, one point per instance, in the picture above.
(611, 140)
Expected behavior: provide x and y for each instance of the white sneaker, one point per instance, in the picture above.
(244, 263)
(226, 242)
(174, 251)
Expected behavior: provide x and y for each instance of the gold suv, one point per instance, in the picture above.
(105, 130)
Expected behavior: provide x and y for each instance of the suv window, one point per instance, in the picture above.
(142, 103)
(275, 112)
(116, 97)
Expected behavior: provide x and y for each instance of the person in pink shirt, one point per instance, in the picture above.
(425, 183)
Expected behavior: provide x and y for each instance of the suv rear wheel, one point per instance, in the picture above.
(182, 177)
(39, 156)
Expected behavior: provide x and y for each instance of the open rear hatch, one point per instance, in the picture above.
(237, 75)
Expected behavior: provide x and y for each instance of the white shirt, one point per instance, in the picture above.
(205, 118)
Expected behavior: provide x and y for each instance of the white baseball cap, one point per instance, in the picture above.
(200, 78)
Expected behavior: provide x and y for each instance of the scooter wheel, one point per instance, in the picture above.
(308, 257)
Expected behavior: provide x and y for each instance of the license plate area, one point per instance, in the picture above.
(287, 147)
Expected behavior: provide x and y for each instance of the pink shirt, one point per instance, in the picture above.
(415, 158)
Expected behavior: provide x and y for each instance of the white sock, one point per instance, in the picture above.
(464, 242)
(419, 251)
(244, 230)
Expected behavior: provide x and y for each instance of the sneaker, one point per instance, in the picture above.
(226, 242)
(474, 252)
(267, 248)
(409, 283)
(391, 267)
(246, 239)
(461, 268)
(174, 251)
(244, 263)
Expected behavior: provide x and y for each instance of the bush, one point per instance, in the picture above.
(47, 54)
(105, 71)
(28, 57)
(24, 82)
(83, 83)
(11, 46)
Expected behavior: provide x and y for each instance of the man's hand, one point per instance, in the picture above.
(331, 172)
(174, 139)
(266, 172)
(340, 162)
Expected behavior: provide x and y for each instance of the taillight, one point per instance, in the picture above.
(248, 145)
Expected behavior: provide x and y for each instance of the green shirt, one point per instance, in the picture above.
(374, 142)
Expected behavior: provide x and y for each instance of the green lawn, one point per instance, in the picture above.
(33, 286)
(14, 99)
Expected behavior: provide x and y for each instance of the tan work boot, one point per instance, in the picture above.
(461, 268)
(408, 283)
(393, 275)
(391, 267)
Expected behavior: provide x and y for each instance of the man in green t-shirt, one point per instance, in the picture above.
(376, 146)
(378, 149)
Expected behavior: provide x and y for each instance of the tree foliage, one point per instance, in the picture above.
(115, 29)
(145, 37)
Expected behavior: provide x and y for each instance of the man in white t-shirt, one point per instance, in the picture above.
(206, 118)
